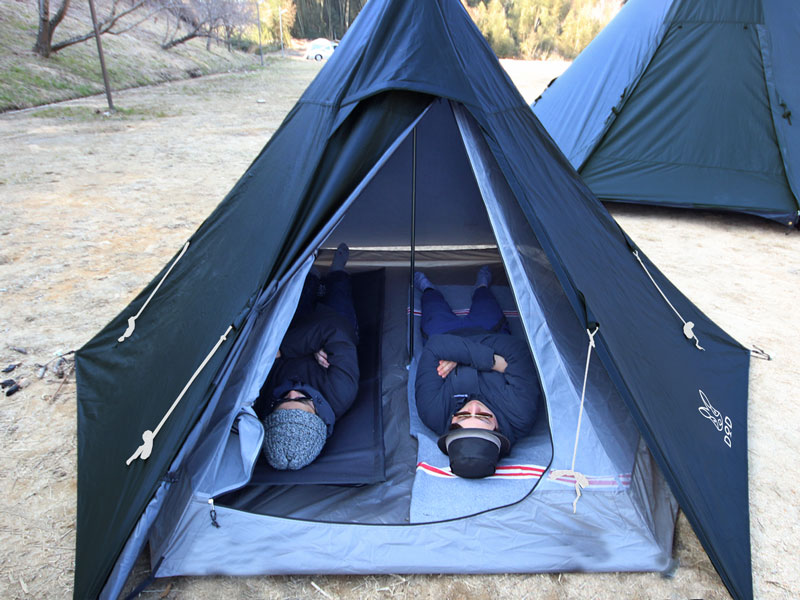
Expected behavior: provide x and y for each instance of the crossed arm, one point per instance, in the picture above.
(446, 366)
(324, 345)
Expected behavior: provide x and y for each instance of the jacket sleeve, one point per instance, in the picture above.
(461, 350)
(306, 339)
(518, 393)
(339, 382)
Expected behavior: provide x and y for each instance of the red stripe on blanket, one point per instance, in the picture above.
(502, 472)
(531, 472)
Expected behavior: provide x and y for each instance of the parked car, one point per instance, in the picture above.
(320, 48)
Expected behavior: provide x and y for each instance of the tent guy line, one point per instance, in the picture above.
(132, 321)
(688, 326)
(146, 448)
(581, 480)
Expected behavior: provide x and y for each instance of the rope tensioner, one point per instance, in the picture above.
(688, 326)
(132, 320)
(581, 480)
(146, 448)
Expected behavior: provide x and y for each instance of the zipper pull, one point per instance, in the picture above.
(213, 513)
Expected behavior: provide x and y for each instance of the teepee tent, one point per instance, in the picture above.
(413, 146)
(688, 104)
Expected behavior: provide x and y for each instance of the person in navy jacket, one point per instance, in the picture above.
(314, 379)
(476, 386)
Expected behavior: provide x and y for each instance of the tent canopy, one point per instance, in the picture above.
(686, 104)
(197, 317)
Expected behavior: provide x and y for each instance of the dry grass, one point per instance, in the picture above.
(93, 206)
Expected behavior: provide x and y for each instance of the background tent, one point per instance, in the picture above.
(413, 115)
(690, 104)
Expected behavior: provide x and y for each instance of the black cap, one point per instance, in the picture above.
(474, 452)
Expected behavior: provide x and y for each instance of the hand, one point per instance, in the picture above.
(322, 358)
(278, 355)
(500, 364)
(445, 366)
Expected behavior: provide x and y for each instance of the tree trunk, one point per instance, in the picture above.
(44, 38)
(189, 36)
(42, 46)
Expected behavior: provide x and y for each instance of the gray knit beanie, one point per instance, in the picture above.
(293, 438)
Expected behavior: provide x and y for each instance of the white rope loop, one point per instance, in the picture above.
(143, 452)
(132, 320)
(580, 479)
(688, 326)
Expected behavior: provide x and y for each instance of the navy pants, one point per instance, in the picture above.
(338, 295)
(484, 313)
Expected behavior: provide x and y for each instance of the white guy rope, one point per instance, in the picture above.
(580, 479)
(132, 320)
(688, 326)
(146, 448)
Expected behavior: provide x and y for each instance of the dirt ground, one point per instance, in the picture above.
(92, 206)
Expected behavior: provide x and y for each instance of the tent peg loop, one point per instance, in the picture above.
(213, 513)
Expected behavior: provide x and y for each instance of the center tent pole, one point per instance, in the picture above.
(413, 243)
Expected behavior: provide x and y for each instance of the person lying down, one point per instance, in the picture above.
(314, 379)
(476, 386)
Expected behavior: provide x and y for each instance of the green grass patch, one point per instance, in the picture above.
(88, 113)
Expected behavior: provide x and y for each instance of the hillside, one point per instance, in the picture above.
(133, 59)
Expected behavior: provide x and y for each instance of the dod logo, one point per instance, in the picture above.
(723, 424)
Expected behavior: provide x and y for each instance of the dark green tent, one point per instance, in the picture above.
(689, 104)
(412, 135)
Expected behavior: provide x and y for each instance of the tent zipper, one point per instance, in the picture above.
(213, 513)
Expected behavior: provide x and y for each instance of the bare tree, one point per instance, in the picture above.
(47, 26)
(44, 40)
(201, 18)
(236, 17)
